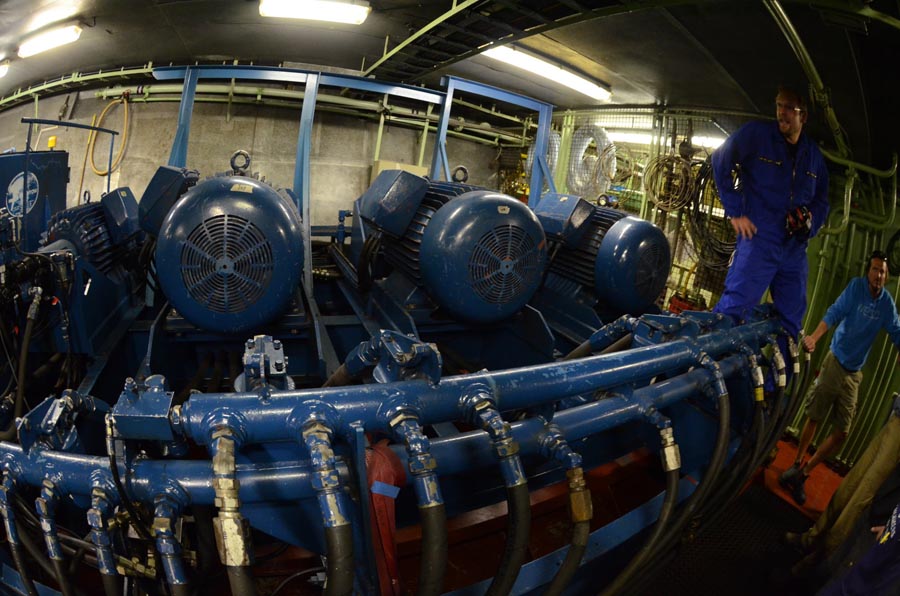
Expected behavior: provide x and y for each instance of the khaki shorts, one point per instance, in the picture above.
(835, 387)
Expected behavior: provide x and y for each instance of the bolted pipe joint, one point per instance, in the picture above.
(669, 452)
(554, 446)
(166, 510)
(98, 516)
(46, 505)
(421, 464)
(480, 410)
(7, 490)
(778, 360)
(718, 382)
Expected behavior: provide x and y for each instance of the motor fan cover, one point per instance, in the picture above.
(483, 256)
(229, 254)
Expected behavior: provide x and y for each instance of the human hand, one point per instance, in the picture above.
(809, 344)
(743, 226)
(877, 530)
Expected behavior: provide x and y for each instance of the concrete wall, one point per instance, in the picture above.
(342, 152)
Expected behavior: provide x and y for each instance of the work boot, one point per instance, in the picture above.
(792, 480)
(797, 491)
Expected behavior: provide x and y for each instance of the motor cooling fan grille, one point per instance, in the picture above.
(652, 263)
(226, 264)
(502, 264)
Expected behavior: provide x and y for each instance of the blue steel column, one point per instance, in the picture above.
(439, 160)
(178, 156)
(301, 169)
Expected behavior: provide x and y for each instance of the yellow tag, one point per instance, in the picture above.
(241, 188)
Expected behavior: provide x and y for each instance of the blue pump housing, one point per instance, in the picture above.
(622, 259)
(483, 256)
(229, 254)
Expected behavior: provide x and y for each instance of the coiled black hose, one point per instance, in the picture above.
(517, 532)
(434, 550)
(672, 477)
(339, 552)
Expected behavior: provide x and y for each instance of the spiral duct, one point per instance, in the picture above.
(590, 175)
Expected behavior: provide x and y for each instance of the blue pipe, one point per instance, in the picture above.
(263, 420)
(74, 473)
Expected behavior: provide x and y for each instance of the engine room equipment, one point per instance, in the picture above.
(191, 413)
(591, 171)
(229, 254)
(477, 254)
(48, 174)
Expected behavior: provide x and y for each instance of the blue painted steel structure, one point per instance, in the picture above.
(190, 433)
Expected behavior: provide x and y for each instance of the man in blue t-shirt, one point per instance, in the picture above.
(862, 309)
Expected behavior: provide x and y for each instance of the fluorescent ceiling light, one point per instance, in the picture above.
(61, 10)
(49, 40)
(708, 142)
(4, 68)
(520, 59)
(635, 138)
(352, 12)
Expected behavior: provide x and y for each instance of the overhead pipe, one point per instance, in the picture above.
(818, 86)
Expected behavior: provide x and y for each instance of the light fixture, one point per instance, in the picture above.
(534, 65)
(4, 68)
(49, 40)
(634, 138)
(352, 12)
(708, 142)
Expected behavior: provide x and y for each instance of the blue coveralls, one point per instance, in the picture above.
(771, 186)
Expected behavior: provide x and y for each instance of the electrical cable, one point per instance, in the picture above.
(294, 576)
(713, 236)
(669, 182)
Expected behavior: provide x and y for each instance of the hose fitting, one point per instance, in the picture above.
(165, 513)
(483, 413)
(669, 452)
(98, 517)
(422, 464)
(46, 505)
(778, 361)
(794, 351)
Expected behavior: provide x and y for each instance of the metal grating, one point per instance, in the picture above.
(226, 264)
(502, 263)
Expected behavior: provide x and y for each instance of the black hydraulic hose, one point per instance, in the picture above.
(707, 485)
(581, 531)
(10, 433)
(62, 577)
(518, 530)
(339, 553)
(36, 552)
(434, 550)
(662, 522)
(19, 561)
(112, 585)
(240, 578)
(181, 590)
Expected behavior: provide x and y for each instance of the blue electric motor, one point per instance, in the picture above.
(479, 255)
(624, 260)
(229, 254)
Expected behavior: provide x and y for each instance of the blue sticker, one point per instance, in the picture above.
(386, 490)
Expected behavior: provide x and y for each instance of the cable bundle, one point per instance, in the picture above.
(714, 239)
(669, 182)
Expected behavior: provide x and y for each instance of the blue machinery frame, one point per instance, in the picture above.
(689, 357)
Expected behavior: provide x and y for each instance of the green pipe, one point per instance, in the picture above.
(818, 86)
(424, 137)
(874, 221)
(378, 137)
(892, 171)
(848, 193)
(565, 152)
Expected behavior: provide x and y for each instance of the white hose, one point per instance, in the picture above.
(590, 175)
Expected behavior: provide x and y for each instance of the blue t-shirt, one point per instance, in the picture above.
(859, 317)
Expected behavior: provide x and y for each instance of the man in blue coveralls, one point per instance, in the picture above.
(860, 312)
(781, 201)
